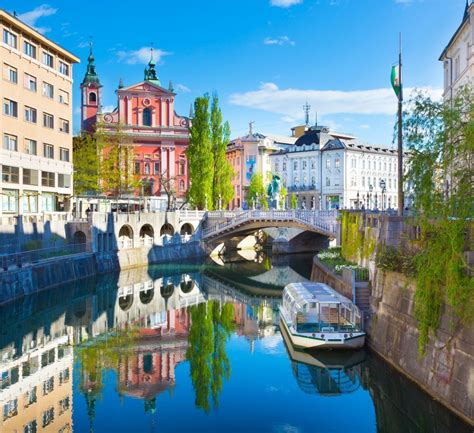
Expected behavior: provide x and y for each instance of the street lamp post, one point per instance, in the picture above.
(383, 185)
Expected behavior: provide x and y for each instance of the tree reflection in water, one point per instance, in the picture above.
(211, 326)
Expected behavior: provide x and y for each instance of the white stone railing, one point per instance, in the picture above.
(324, 221)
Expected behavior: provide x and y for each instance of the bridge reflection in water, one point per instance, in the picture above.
(156, 335)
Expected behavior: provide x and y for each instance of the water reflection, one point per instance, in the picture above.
(177, 336)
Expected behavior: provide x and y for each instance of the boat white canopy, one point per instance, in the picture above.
(309, 293)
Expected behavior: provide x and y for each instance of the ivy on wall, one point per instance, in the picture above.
(357, 244)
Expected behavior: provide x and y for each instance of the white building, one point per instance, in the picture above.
(328, 170)
(458, 56)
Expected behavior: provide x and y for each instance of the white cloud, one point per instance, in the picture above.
(403, 1)
(108, 108)
(142, 55)
(34, 15)
(281, 40)
(182, 88)
(285, 3)
(288, 102)
(364, 126)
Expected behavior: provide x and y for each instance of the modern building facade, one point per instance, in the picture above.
(328, 170)
(146, 117)
(36, 120)
(249, 155)
(458, 56)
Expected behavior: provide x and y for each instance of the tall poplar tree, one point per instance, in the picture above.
(86, 157)
(200, 156)
(222, 188)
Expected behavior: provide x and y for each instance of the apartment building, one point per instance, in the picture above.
(35, 120)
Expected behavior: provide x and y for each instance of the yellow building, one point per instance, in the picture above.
(35, 121)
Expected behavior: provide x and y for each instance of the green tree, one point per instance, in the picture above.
(283, 194)
(223, 174)
(257, 190)
(294, 201)
(211, 326)
(117, 161)
(86, 157)
(200, 156)
(440, 137)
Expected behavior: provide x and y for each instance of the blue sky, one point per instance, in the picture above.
(264, 58)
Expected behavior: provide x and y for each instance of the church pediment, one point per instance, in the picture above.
(146, 87)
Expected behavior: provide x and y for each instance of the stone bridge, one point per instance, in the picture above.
(224, 226)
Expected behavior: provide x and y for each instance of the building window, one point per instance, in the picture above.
(284, 166)
(10, 142)
(353, 163)
(64, 154)
(31, 427)
(353, 181)
(157, 168)
(92, 98)
(48, 59)
(10, 73)
(48, 121)
(363, 163)
(63, 68)
(10, 39)
(380, 165)
(313, 181)
(313, 164)
(10, 174)
(48, 385)
(10, 409)
(277, 167)
(48, 416)
(10, 108)
(30, 397)
(64, 126)
(30, 82)
(30, 146)
(363, 181)
(10, 204)
(64, 180)
(295, 165)
(337, 163)
(48, 202)
(328, 181)
(29, 49)
(30, 177)
(328, 163)
(63, 405)
(181, 185)
(147, 168)
(64, 376)
(137, 168)
(48, 90)
(385, 166)
(48, 151)
(181, 168)
(63, 97)
(147, 117)
(30, 114)
(304, 165)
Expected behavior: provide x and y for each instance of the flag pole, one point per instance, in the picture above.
(400, 136)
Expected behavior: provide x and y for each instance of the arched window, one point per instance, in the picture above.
(147, 168)
(181, 185)
(92, 98)
(147, 117)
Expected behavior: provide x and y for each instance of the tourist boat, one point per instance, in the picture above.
(316, 316)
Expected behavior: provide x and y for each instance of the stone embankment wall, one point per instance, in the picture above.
(16, 283)
(446, 371)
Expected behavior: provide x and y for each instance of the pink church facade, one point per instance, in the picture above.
(146, 115)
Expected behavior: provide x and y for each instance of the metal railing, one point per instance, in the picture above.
(324, 221)
(21, 259)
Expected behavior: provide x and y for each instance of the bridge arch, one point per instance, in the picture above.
(126, 302)
(79, 237)
(126, 231)
(187, 284)
(186, 229)
(167, 289)
(146, 296)
(167, 229)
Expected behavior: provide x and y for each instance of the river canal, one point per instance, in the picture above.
(191, 347)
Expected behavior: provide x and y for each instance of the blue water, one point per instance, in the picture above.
(147, 357)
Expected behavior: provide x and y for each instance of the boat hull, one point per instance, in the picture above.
(302, 341)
